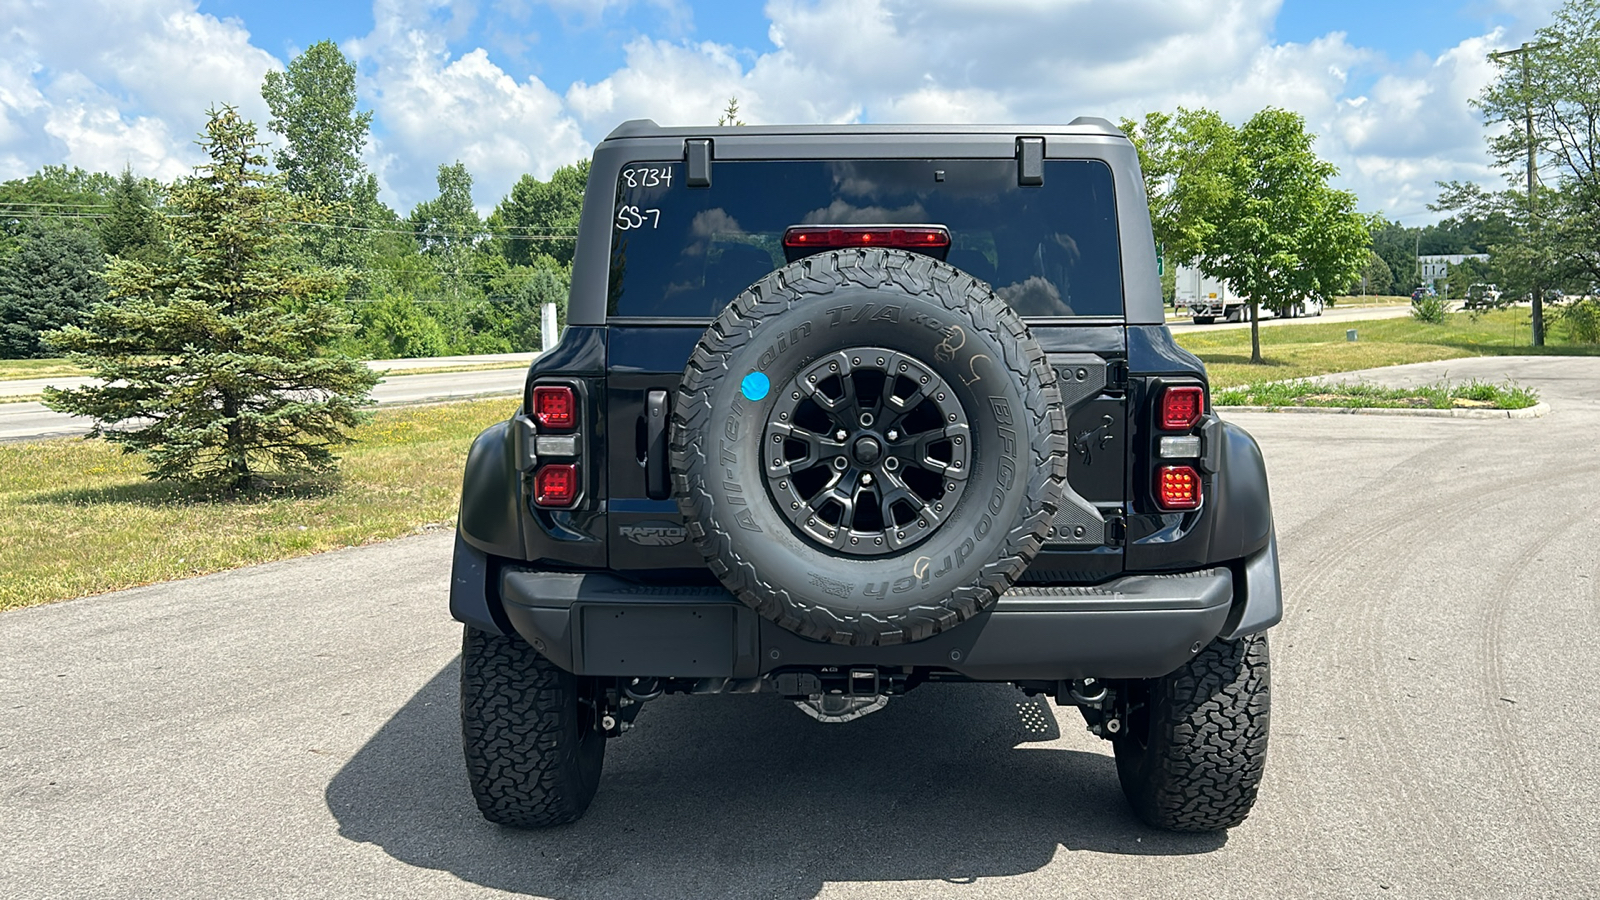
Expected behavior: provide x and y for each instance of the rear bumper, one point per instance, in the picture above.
(1138, 626)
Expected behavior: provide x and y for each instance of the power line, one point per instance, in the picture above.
(498, 233)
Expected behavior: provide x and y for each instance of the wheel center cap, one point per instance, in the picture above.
(867, 450)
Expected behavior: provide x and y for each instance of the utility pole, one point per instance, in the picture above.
(1537, 337)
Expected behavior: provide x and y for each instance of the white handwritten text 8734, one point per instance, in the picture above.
(647, 177)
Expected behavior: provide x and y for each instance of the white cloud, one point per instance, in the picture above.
(102, 85)
(97, 84)
(437, 108)
(1054, 60)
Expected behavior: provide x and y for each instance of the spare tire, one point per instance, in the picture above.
(868, 446)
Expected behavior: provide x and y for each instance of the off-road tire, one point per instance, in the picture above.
(1192, 756)
(902, 302)
(532, 749)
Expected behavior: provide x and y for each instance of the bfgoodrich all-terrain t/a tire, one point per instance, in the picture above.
(533, 752)
(868, 446)
(1195, 746)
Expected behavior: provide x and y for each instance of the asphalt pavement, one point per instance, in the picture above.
(290, 730)
(25, 420)
(1329, 314)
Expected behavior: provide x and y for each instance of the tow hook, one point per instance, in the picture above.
(618, 706)
(1102, 706)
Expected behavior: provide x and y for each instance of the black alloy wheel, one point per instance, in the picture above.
(869, 451)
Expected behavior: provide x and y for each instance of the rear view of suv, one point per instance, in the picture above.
(842, 411)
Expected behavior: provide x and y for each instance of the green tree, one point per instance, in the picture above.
(50, 281)
(540, 218)
(1465, 274)
(449, 231)
(1276, 230)
(1185, 161)
(517, 297)
(1545, 101)
(730, 113)
(1375, 277)
(214, 364)
(131, 228)
(395, 326)
(313, 106)
(55, 195)
(1397, 246)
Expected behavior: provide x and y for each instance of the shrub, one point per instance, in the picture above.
(1429, 309)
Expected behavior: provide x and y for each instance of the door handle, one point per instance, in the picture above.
(656, 484)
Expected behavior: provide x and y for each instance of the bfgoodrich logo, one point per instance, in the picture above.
(654, 534)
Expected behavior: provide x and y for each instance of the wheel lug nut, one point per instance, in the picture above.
(840, 435)
(893, 435)
(866, 478)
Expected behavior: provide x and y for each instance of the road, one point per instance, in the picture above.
(290, 730)
(1331, 314)
(28, 387)
(29, 419)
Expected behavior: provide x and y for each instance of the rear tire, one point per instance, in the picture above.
(1195, 747)
(533, 751)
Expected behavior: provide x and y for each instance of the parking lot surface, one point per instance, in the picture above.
(290, 730)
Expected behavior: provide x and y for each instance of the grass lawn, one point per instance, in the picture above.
(1311, 392)
(19, 369)
(1368, 300)
(77, 517)
(1308, 350)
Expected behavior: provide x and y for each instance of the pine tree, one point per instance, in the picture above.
(214, 363)
(51, 280)
(131, 228)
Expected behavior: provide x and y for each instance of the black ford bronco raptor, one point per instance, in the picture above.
(843, 410)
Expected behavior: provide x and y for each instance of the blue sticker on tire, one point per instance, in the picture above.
(755, 386)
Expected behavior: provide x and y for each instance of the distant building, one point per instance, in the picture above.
(1435, 267)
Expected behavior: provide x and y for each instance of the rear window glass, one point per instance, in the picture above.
(1049, 250)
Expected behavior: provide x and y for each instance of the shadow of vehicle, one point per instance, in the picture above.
(744, 796)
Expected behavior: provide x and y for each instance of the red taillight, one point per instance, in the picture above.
(1181, 407)
(555, 407)
(831, 237)
(1177, 487)
(556, 484)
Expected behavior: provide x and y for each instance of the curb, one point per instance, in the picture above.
(1531, 412)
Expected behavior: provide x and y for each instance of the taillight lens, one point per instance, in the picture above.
(555, 407)
(1177, 487)
(830, 237)
(556, 484)
(1181, 407)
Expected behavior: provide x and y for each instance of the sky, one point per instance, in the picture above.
(523, 86)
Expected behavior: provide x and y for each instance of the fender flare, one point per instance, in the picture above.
(1241, 504)
(490, 515)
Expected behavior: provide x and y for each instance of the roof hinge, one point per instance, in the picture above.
(697, 159)
(1030, 161)
(1116, 530)
(1117, 376)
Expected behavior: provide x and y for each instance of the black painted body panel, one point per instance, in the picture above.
(638, 543)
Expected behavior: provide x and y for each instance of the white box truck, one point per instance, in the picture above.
(1206, 300)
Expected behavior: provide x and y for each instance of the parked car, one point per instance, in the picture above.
(1483, 296)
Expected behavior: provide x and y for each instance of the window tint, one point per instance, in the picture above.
(1048, 250)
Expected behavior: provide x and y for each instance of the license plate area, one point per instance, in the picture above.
(663, 640)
